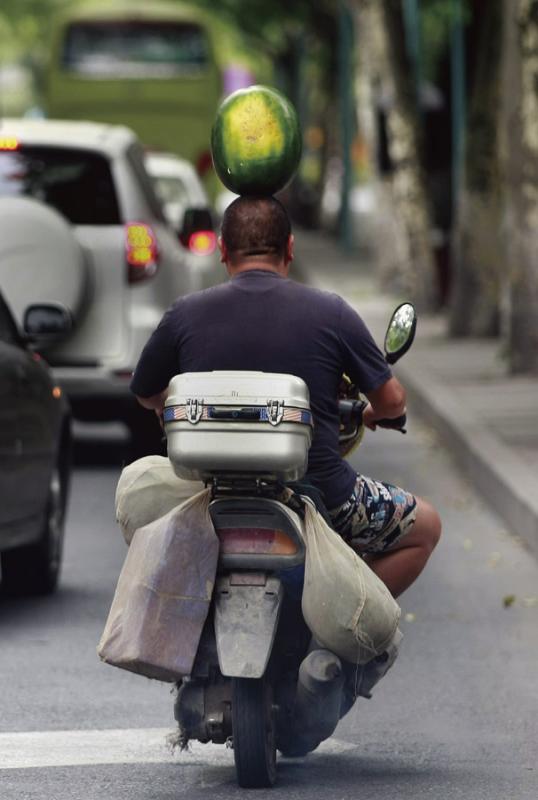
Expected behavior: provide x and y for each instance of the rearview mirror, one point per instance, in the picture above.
(47, 322)
(400, 332)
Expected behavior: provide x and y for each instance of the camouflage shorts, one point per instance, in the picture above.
(376, 516)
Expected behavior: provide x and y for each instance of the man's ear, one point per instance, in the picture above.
(289, 248)
(223, 251)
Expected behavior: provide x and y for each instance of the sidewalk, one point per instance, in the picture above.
(488, 420)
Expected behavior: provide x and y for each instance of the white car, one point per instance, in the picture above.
(80, 224)
(184, 200)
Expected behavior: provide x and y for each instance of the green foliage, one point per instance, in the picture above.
(274, 23)
(436, 20)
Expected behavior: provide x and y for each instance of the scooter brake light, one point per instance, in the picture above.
(255, 541)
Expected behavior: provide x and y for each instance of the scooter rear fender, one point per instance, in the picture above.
(247, 610)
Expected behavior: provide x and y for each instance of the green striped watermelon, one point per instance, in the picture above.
(256, 141)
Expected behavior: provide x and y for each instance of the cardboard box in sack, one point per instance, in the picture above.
(163, 594)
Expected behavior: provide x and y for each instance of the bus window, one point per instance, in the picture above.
(153, 69)
(133, 49)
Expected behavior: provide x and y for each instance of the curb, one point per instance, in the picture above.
(501, 477)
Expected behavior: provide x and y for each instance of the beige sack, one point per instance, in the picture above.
(163, 594)
(147, 489)
(346, 606)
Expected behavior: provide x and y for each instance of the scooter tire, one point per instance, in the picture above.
(253, 729)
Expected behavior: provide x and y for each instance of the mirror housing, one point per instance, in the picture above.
(195, 220)
(400, 332)
(47, 322)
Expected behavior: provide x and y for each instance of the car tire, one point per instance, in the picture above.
(35, 569)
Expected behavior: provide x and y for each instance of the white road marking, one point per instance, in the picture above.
(34, 749)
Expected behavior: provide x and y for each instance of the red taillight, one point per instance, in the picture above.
(9, 143)
(141, 252)
(204, 162)
(258, 541)
(202, 243)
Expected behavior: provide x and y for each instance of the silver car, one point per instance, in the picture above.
(81, 224)
(185, 200)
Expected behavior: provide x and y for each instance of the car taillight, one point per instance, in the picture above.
(141, 252)
(204, 162)
(202, 243)
(259, 541)
(9, 143)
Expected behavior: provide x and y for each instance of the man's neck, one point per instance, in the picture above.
(251, 265)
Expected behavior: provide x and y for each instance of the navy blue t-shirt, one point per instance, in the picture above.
(260, 320)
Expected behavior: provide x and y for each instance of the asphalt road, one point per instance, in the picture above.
(455, 718)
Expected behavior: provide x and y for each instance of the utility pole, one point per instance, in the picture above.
(411, 15)
(459, 111)
(347, 109)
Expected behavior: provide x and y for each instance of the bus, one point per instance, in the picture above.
(151, 66)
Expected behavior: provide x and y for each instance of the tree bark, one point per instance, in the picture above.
(520, 160)
(394, 73)
(477, 251)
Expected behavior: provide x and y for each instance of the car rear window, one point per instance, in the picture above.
(76, 183)
(134, 49)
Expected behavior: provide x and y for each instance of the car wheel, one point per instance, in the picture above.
(35, 569)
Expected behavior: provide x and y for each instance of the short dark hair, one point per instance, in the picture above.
(254, 226)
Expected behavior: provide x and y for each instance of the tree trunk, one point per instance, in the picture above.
(392, 71)
(404, 144)
(477, 251)
(520, 157)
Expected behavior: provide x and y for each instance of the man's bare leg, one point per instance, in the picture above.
(399, 566)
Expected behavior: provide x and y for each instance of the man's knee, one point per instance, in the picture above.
(427, 527)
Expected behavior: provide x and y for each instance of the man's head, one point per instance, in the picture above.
(256, 233)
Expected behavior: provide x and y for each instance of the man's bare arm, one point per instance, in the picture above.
(386, 402)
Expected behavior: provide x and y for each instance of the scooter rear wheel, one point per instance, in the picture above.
(253, 729)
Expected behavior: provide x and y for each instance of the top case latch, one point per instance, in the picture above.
(194, 408)
(275, 411)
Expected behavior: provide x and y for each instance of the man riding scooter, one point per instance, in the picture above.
(262, 320)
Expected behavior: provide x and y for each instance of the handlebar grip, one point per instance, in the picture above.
(397, 424)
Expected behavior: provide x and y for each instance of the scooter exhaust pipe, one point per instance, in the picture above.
(317, 702)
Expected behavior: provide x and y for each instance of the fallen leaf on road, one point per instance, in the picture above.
(509, 600)
(530, 602)
(410, 617)
(467, 544)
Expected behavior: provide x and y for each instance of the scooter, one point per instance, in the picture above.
(260, 682)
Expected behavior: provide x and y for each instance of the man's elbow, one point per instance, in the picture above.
(153, 403)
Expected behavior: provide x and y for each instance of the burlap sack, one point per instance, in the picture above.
(347, 607)
(163, 594)
(147, 489)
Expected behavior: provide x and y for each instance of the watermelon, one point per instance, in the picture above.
(256, 141)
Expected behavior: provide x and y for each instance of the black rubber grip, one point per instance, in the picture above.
(397, 424)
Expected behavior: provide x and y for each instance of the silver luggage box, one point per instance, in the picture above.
(235, 423)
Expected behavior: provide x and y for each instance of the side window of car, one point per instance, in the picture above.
(8, 330)
(135, 156)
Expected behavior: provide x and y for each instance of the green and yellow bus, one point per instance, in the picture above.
(151, 66)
